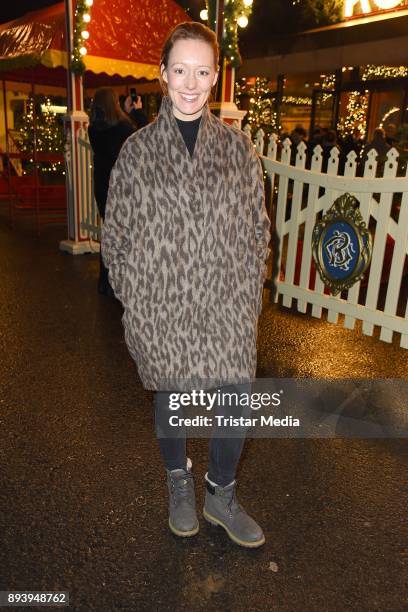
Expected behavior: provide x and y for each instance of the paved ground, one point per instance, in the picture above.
(83, 503)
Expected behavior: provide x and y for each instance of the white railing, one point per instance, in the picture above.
(89, 217)
(300, 194)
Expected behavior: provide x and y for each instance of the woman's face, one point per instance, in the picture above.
(190, 75)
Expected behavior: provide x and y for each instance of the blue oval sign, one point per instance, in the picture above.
(341, 245)
(340, 250)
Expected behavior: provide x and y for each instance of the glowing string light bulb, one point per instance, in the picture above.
(242, 21)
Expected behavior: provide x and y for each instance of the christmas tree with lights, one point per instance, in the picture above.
(25, 128)
(355, 115)
(39, 124)
(262, 106)
(49, 131)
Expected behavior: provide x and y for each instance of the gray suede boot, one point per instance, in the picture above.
(182, 512)
(221, 507)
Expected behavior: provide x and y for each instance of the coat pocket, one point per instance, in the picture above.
(261, 270)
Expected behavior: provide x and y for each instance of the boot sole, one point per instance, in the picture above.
(184, 534)
(214, 521)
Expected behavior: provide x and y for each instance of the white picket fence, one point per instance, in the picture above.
(293, 268)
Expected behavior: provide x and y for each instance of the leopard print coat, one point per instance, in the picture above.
(185, 240)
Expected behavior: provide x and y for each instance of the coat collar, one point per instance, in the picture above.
(168, 124)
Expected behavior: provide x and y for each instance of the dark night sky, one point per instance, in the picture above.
(12, 10)
(269, 19)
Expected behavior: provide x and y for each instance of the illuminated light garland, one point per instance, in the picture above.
(329, 82)
(261, 112)
(392, 110)
(297, 100)
(81, 35)
(387, 114)
(356, 114)
(384, 72)
(236, 13)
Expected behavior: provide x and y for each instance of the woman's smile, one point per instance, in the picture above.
(189, 97)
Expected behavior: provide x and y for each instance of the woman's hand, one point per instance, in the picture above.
(129, 104)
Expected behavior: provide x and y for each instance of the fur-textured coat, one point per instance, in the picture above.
(185, 240)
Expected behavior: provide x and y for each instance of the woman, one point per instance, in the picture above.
(109, 128)
(185, 238)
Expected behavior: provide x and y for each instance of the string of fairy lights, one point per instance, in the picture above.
(261, 103)
(236, 15)
(81, 35)
(297, 100)
(391, 111)
(384, 72)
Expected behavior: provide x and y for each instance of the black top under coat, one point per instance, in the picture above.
(189, 131)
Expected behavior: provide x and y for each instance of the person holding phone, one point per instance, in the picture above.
(185, 239)
(133, 107)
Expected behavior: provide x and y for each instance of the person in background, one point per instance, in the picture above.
(297, 136)
(135, 111)
(108, 129)
(323, 136)
(391, 134)
(329, 141)
(378, 143)
(353, 142)
(314, 140)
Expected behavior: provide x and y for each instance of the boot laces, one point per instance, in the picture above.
(182, 487)
(234, 507)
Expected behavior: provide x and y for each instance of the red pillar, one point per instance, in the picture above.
(225, 106)
(75, 119)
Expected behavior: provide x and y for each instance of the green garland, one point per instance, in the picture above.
(77, 63)
(233, 9)
(322, 12)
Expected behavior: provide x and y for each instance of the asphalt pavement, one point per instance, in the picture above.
(83, 498)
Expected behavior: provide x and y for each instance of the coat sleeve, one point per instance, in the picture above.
(115, 241)
(260, 217)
